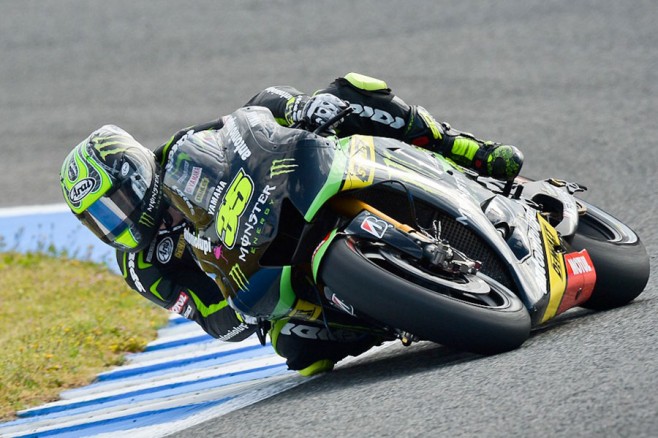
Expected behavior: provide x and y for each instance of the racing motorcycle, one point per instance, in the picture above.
(399, 240)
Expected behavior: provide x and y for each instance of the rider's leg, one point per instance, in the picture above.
(310, 348)
(487, 158)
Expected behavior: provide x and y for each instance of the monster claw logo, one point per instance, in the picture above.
(147, 220)
(113, 144)
(239, 278)
(280, 167)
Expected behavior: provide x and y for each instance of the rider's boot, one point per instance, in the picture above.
(486, 158)
(497, 160)
(310, 349)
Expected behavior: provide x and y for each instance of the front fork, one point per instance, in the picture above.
(372, 224)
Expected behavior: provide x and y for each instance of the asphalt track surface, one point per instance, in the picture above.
(574, 84)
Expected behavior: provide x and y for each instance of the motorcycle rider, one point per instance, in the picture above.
(114, 186)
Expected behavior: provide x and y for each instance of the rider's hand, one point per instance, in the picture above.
(322, 107)
(312, 112)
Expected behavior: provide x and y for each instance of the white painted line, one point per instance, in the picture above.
(33, 210)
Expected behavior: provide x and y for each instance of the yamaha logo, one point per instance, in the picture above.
(81, 189)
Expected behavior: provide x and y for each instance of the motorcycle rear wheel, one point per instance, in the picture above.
(474, 313)
(619, 257)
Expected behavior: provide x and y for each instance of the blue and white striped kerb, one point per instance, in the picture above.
(181, 379)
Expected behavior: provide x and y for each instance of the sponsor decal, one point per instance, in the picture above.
(214, 199)
(252, 220)
(193, 181)
(320, 333)
(147, 220)
(154, 201)
(189, 312)
(133, 274)
(81, 189)
(253, 119)
(165, 250)
(185, 173)
(201, 192)
(283, 166)
(233, 206)
(375, 226)
(151, 251)
(536, 259)
(180, 303)
(180, 247)
(579, 265)
(581, 278)
(233, 332)
(125, 168)
(239, 145)
(361, 172)
(305, 310)
(238, 277)
(202, 244)
(377, 115)
(557, 281)
(342, 305)
(278, 92)
(218, 252)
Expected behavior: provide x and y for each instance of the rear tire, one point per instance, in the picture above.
(369, 276)
(619, 257)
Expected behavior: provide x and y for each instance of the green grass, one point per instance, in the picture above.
(63, 321)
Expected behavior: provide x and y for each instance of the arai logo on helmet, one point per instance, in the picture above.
(81, 189)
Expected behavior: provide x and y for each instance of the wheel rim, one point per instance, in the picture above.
(467, 288)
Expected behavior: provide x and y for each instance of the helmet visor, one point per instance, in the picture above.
(114, 216)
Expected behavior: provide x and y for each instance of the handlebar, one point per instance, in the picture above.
(341, 115)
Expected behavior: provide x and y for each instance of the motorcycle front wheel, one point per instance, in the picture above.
(619, 257)
(469, 312)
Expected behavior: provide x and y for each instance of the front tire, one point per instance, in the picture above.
(619, 257)
(477, 314)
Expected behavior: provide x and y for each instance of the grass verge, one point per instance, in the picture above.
(63, 321)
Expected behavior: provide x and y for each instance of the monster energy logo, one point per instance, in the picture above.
(239, 278)
(147, 219)
(280, 167)
(105, 146)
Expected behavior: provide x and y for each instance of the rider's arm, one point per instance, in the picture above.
(166, 274)
(281, 101)
(377, 111)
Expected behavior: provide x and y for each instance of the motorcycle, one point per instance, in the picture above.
(395, 239)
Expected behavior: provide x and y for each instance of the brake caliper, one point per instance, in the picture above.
(444, 257)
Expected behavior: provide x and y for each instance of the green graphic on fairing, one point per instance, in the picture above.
(84, 180)
(333, 183)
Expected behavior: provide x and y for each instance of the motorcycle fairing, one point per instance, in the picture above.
(532, 250)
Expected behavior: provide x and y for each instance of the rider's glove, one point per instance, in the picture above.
(315, 111)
